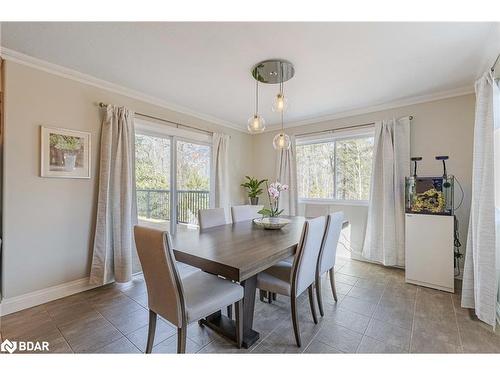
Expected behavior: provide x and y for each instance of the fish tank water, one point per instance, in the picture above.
(429, 195)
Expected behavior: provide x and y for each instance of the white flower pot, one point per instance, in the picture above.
(69, 162)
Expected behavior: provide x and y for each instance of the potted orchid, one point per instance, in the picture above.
(273, 192)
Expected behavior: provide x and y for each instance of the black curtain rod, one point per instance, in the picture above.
(171, 123)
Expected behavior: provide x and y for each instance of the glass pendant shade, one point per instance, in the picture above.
(256, 124)
(281, 141)
(280, 103)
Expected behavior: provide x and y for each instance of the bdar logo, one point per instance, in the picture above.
(8, 346)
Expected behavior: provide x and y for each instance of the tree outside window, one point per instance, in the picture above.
(339, 169)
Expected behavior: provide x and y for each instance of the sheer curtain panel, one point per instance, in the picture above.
(480, 283)
(385, 230)
(220, 159)
(286, 173)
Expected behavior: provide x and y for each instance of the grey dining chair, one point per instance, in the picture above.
(326, 259)
(245, 212)
(292, 279)
(316, 210)
(211, 217)
(312, 211)
(181, 301)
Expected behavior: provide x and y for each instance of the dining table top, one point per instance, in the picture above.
(237, 251)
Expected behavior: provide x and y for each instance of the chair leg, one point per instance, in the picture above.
(311, 303)
(181, 339)
(262, 295)
(151, 331)
(295, 321)
(332, 283)
(319, 296)
(230, 311)
(238, 309)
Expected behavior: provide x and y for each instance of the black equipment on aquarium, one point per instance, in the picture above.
(414, 160)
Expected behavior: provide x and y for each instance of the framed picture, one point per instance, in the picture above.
(64, 153)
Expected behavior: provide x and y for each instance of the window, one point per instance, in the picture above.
(193, 181)
(167, 157)
(335, 168)
(152, 178)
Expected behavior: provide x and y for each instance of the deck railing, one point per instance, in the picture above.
(155, 204)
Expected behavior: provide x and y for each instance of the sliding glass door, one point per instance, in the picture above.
(192, 181)
(152, 176)
(166, 158)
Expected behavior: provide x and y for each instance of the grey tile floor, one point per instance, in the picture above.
(377, 312)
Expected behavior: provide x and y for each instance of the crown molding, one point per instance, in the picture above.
(465, 90)
(61, 71)
(21, 58)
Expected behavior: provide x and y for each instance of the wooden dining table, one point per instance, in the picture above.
(237, 252)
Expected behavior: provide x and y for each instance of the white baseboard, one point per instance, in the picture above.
(25, 301)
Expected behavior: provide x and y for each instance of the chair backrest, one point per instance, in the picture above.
(306, 257)
(316, 210)
(245, 212)
(165, 293)
(211, 217)
(330, 241)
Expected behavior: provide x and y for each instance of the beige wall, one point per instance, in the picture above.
(48, 223)
(442, 127)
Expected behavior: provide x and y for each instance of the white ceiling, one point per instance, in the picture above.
(206, 66)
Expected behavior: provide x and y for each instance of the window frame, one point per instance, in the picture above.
(155, 129)
(328, 137)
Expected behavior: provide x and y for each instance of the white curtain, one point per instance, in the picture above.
(286, 173)
(384, 238)
(479, 288)
(116, 204)
(220, 159)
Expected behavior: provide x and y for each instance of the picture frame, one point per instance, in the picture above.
(64, 153)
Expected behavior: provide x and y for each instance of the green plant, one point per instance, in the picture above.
(65, 142)
(253, 186)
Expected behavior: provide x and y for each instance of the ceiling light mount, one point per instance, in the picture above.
(273, 71)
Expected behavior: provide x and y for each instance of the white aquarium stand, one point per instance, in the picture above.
(429, 251)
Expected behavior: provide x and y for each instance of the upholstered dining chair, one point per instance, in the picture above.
(326, 259)
(211, 217)
(245, 212)
(316, 210)
(181, 301)
(292, 279)
(312, 211)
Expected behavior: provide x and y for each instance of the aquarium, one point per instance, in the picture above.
(429, 195)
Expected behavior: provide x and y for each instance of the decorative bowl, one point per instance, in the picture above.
(271, 222)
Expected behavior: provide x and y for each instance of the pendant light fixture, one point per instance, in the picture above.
(276, 71)
(256, 123)
(281, 141)
(280, 102)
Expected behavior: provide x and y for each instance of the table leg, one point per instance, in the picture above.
(249, 335)
(227, 328)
